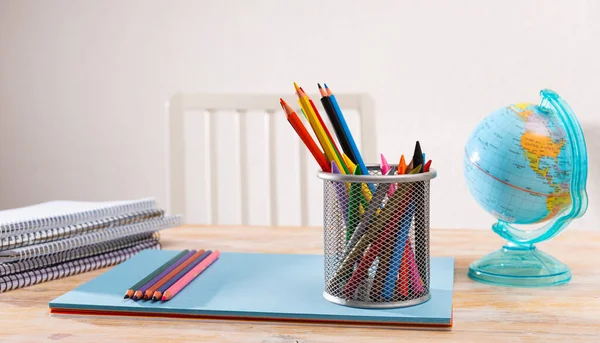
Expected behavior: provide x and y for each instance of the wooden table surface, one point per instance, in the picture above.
(482, 313)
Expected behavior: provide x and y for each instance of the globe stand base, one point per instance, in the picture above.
(519, 267)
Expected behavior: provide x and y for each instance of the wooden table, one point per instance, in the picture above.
(482, 313)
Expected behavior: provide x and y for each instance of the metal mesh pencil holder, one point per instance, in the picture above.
(376, 238)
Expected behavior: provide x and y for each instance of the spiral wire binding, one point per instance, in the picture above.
(108, 234)
(43, 223)
(54, 234)
(74, 267)
(43, 261)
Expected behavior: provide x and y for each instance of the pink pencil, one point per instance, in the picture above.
(191, 275)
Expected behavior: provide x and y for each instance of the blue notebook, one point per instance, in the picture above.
(252, 286)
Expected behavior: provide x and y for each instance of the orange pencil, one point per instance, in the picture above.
(402, 166)
(150, 291)
(293, 119)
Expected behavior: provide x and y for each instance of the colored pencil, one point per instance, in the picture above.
(157, 295)
(353, 207)
(157, 271)
(189, 277)
(329, 137)
(402, 166)
(335, 122)
(318, 130)
(139, 293)
(351, 166)
(373, 207)
(166, 278)
(420, 231)
(405, 224)
(427, 166)
(385, 167)
(342, 195)
(418, 155)
(348, 134)
(403, 283)
(295, 122)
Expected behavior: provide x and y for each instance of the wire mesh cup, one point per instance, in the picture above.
(376, 247)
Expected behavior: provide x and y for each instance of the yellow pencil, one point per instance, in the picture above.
(351, 166)
(316, 126)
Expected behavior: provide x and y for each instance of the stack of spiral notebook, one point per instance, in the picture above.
(57, 239)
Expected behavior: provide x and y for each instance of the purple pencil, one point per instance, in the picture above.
(139, 294)
(342, 196)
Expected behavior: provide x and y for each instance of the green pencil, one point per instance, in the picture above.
(149, 277)
(353, 206)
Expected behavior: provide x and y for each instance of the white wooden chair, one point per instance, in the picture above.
(268, 104)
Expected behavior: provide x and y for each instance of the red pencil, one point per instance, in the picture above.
(427, 165)
(293, 119)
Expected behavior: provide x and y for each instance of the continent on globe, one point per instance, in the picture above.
(517, 164)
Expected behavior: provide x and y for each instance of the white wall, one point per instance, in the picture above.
(83, 83)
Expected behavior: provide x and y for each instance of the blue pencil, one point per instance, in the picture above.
(390, 281)
(351, 142)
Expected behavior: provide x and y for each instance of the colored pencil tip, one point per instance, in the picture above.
(334, 168)
(126, 296)
(164, 298)
(154, 299)
(135, 298)
(296, 86)
(418, 151)
(319, 85)
(325, 86)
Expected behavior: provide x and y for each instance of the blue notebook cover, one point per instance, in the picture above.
(252, 286)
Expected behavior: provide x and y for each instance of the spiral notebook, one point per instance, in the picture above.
(61, 213)
(55, 234)
(69, 255)
(33, 251)
(78, 266)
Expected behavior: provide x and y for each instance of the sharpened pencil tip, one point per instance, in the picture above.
(296, 86)
(164, 298)
(154, 299)
(325, 86)
(319, 85)
(126, 296)
(135, 298)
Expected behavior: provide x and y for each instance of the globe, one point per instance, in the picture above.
(526, 164)
(517, 164)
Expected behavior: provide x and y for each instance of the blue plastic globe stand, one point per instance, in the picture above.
(519, 263)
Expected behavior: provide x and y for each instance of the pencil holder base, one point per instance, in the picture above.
(363, 304)
(519, 267)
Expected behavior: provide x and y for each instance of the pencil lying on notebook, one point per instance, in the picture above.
(131, 291)
(157, 295)
(189, 277)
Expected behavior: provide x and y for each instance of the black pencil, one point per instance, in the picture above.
(337, 126)
(421, 233)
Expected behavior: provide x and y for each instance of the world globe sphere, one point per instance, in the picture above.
(517, 164)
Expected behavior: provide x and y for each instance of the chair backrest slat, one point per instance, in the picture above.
(242, 105)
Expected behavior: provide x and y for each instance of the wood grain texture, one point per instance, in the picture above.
(569, 313)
